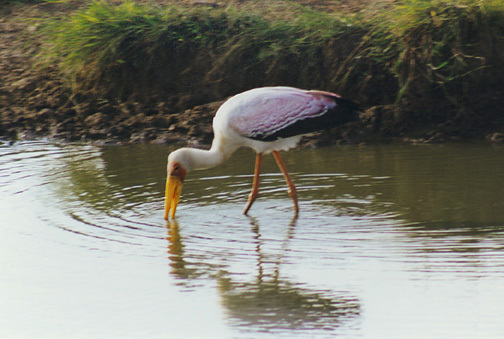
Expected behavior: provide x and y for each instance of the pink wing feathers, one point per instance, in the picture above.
(271, 113)
(263, 114)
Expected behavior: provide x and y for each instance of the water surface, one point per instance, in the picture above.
(391, 241)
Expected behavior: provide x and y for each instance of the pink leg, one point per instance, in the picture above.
(290, 183)
(255, 184)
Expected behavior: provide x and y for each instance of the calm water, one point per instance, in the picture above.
(392, 242)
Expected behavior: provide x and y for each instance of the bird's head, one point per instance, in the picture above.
(179, 164)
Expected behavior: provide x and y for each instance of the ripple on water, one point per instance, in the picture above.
(76, 188)
(361, 226)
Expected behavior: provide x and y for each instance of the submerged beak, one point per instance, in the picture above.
(174, 183)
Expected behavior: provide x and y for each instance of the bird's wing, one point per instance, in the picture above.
(281, 112)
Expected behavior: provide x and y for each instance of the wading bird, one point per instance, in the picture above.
(267, 119)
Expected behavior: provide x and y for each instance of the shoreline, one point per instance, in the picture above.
(37, 103)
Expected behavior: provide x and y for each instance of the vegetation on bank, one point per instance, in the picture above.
(132, 48)
(447, 58)
(432, 61)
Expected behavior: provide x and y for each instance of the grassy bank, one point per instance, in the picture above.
(430, 61)
(143, 50)
(447, 59)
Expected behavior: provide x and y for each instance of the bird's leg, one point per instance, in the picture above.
(255, 184)
(290, 183)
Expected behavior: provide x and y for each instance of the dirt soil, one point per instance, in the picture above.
(35, 104)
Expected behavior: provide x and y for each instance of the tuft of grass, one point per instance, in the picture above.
(440, 45)
(94, 41)
(96, 44)
(437, 56)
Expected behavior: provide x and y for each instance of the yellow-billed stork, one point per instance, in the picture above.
(266, 119)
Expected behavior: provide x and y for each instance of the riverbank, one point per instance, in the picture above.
(409, 96)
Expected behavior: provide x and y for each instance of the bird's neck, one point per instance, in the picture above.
(217, 154)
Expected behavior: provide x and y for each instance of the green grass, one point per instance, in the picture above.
(421, 51)
(96, 43)
(442, 45)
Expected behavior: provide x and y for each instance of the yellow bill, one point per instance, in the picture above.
(172, 195)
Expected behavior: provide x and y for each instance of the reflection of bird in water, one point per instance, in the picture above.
(280, 304)
(266, 302)
(269, 302)
(175, 247)
(179, 266)
(265, 119)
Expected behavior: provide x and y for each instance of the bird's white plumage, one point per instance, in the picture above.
(267, 119)
(264, 111)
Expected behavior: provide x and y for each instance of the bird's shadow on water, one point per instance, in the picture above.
(266, 301)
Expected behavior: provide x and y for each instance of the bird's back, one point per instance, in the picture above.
(271, 113)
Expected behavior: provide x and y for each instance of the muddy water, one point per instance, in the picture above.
(392, 241)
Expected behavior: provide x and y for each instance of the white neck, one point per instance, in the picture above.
(201, 159)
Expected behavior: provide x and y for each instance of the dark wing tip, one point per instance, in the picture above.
(349, 109)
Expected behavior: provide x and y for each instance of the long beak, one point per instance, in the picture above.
(172, 195)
